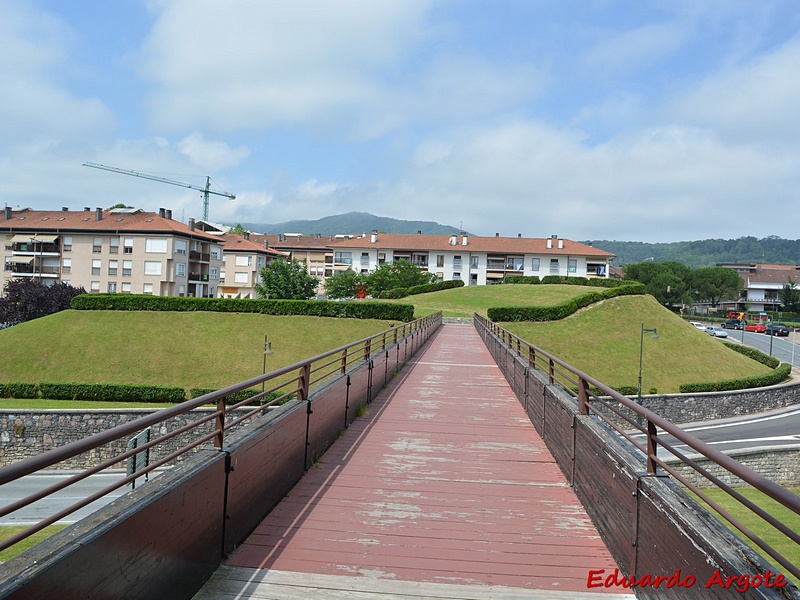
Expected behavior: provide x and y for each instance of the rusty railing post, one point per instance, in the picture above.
(583, 396)
(652, 447)
(219, 423)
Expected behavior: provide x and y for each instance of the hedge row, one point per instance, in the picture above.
(315, 308)
(101, 392)
(564, 280)
(421, 289)
(564, 309)
(237, 397)
(757, 355)
(776, 376)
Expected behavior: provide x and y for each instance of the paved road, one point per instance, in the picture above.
(785, 349)
(42, 509)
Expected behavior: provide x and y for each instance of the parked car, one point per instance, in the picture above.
(777, 329)
(716, 331)
(756, 327)
(698, 325)
(734, 324)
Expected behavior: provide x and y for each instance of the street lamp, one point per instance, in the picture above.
(267, 351)
(641, 351)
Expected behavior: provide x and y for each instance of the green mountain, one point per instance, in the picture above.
(353, 222)
(706, 253)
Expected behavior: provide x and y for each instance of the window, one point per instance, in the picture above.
(244, 261)
(180, 269)
(96, 267)
(126, 287)
(343, 258)
(474, 261)
(261, 262)
(112, 267)
(147, 288)
(534, 264)
(95, 286)
(364, 258)
(181, 290)
(127, 245)
(213, 272)
(222, 276)
(573, 265)
(152, 267)
(514, 263)
(156, 245)
(456, 263)
(240, 277)
(8, 264)
(97, 245)
(113, 245)
(216, 253)
(440, 260)
(180, 246)
(456, 276)
(112, 287)
(66, 245)
(554, 266)
(127, 267)
(66, 266)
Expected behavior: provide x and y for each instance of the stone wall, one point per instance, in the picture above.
(780, 464)
(25, 433)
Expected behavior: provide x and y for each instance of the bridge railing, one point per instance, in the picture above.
(598, 400)
(186, 427)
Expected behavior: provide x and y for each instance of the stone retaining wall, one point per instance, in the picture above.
(780, 464)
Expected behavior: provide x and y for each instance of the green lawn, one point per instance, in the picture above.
(6, 531)
(604, 340)
(769, 534)
(191, 349)
(466, 301)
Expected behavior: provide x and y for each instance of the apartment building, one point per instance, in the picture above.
(121, 250)
(475, 260)
(762, 285)
(244, 258)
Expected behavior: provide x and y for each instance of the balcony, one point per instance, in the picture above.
(495, 265)
(199, 256)
(198, 276)
(37, 248)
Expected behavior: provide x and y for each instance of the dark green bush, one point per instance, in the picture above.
(776, 376)
(237, 397)
(17, 389)
(112, 392)
(523, 279)
(314, 308)
(764, 359)
(425, 288)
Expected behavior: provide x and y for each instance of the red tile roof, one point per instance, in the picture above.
(498, 245)
(302, 242)
(236, 243)
(63, 221)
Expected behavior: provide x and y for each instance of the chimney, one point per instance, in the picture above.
(64, 209)
(463, 239)
(161, 213)
(266, 244)
(246, 235)
(168, 214)
(87, 209)
(8, 213)
(98, 214)
(419, 231)
(374, 237)
(453, 240)
(560, 243)
(549, 242)
(519, 235)
(191, 224)
(496, 235)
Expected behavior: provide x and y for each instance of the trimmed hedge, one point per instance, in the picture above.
(564, 309)
(776, 376)
(111, 392)
(420, 289)
(523, 279)
(314, 308)
(17, 389)
(239, 396)
(757, 355)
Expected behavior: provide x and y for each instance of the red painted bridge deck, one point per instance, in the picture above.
(443, 481)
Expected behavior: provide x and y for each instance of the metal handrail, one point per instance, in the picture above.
(292, 381)
(648, 423)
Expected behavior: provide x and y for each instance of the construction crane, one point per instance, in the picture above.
(206, 191)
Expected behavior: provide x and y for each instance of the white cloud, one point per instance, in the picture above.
(211, 155)
(309, 190)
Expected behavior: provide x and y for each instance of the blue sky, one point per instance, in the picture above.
(648, 121)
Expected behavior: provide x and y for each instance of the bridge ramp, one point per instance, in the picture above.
(442, 490)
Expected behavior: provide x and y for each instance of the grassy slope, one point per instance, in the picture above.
(610, 335)
(166, 348)
(465, 301)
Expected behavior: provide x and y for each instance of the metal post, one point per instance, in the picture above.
(641, 352)
(267, 351)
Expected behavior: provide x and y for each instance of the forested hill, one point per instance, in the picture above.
(706, 253)
(353, 222)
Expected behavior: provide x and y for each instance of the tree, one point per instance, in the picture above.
(667, 281)
(237, 229)
(26, 299)
(399, 274)
(119, 205)
(286, 280)
(344, 284)
(789, 296)
(716, 283)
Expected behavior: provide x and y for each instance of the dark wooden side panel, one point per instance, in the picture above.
(606, 486)
(535, 402)
(327, 417)
(558, 432)
(266, 461)
(161, 541)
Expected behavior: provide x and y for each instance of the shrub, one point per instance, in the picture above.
(237, 397)
(776, 376)
(112, 392)
(315, 308)
(16, 389)
(523, 279)
(764, 359)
